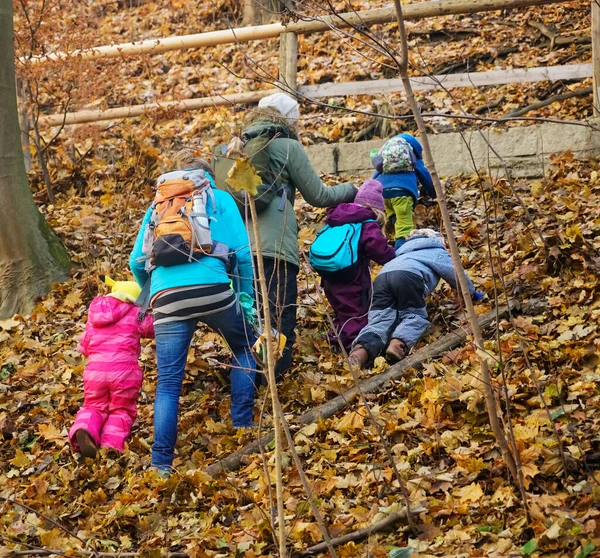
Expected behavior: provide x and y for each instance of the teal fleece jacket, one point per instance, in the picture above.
(226, 227)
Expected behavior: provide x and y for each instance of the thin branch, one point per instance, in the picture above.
(390, 521)
(44, 516)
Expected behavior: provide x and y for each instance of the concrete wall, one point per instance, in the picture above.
(526, 150)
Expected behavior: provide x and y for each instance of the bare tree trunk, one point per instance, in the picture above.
(490, 395)
(31, 256)
(24, 125)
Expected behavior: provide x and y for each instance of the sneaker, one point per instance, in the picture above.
(358, 357)
(396, 351)
(162, 472)
(86, 443)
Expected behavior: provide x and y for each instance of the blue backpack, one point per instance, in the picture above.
(334, 253)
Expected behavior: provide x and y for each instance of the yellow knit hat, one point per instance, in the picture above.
(127, 291)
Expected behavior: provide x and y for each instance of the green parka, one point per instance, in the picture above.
(279, 229)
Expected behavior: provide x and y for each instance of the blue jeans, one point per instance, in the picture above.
(172, 343)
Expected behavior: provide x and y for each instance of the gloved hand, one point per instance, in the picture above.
(477, 296)
(247, 304)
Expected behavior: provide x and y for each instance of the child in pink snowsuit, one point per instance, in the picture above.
(113, 378)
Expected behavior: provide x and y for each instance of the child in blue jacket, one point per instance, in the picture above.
(399, 167)
(398, 316)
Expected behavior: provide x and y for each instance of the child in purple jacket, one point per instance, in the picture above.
(351, 299)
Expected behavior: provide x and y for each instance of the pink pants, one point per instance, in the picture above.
(109, 406)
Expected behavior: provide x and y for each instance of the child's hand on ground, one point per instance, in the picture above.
(477, 296)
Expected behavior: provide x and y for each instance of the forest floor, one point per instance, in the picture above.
(434, 418)
(534, 240)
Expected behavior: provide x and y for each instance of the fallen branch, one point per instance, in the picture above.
(328, 409)
(562, 97)
(556, 39)
(490, 106)
(361, 534)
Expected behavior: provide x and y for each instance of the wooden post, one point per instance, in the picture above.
(596, 54)
(24, 124)
(288, 61)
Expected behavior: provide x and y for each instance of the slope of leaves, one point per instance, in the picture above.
(434, 419)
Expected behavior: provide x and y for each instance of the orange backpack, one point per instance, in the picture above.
(179, 228)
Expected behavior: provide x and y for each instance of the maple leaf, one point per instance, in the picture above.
(20, 460)
(54, 539)
(469, 493)
(351, 421)
(243, 176)
(50, 432)
(72, 300)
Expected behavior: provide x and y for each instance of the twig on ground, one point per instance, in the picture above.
(44, 516)
(382, 525)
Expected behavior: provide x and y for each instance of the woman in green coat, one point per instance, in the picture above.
(277, 118)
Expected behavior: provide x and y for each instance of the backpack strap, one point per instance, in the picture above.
(143, 300)
(271, 132)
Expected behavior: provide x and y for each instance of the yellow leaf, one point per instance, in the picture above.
(20, 459)
(536, 188)
(243, 177)
(73, 299)
(310, 429)
(470, 493)
(351, 421)
(50, 432)
(54, 539)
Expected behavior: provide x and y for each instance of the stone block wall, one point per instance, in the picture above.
(525, 150)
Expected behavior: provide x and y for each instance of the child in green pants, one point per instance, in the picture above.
(399, 167)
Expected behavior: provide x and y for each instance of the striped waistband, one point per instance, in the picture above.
(183, 303)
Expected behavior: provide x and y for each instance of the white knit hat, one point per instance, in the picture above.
(429, 233)
(286, 105)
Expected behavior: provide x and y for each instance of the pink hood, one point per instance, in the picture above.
(112, 333)
(107, 310)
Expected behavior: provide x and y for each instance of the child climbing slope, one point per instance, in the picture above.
(400, 169)
(113, 378)
(398, 316)
(349, 291)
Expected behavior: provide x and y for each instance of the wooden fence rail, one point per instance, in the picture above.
(448, 81)
(412, 12)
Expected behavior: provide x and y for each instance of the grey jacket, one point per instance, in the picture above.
(428, 258)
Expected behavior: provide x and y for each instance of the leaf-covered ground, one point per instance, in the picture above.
(434, 419)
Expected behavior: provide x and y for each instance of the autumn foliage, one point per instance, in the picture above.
(434, 419)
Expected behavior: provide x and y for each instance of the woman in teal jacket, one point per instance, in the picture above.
(198, 291)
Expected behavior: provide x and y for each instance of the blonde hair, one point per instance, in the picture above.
(186, 159)
(380, 216)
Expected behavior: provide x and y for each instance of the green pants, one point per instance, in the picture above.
(402, 209)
